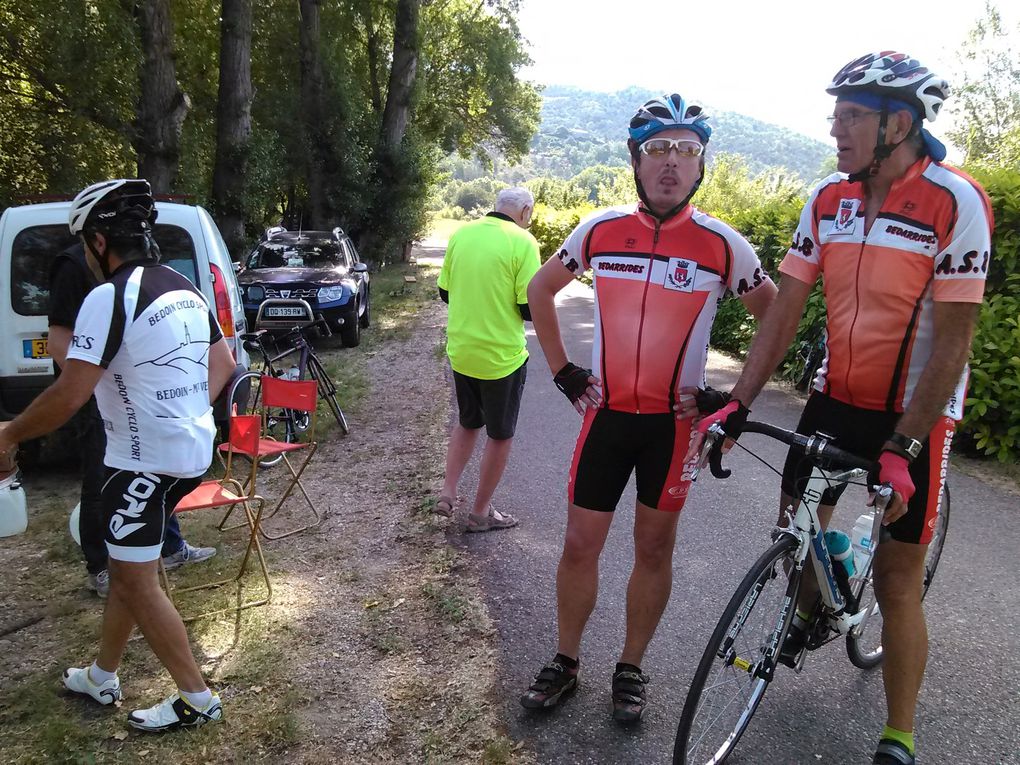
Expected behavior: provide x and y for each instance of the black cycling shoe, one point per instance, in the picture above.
(891, 752)
(628, 693)
(552, 684)
(793, 646)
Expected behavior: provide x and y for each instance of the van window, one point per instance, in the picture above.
(35, 247)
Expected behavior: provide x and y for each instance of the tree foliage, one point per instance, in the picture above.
(71, 73)
(987, 99)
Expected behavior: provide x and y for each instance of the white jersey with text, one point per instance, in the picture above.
(151, 330)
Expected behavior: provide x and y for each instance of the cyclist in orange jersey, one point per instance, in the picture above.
(659, 270)
(903, 243)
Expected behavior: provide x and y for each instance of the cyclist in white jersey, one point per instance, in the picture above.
(149, 347)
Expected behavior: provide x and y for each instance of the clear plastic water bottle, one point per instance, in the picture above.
(860, 539)
(293, 373)
(838, 545)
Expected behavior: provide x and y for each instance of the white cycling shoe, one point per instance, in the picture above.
(174, 712)
(78, 680)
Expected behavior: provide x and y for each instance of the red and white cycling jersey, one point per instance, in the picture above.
(657, 286)
(929, 243)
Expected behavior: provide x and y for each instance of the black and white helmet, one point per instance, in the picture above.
(124, 205)
(894, 75)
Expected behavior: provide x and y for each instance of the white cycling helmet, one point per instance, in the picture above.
(896, 76)
(111, 204)
(666, 113)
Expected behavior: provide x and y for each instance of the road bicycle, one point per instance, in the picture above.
(290, 355)
(743, 653)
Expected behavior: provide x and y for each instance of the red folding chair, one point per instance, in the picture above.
(244, 438)
(295, 396)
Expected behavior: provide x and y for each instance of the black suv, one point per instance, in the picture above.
(321, 267)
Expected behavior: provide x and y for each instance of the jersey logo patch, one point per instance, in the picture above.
(680, 275)
(846, 217)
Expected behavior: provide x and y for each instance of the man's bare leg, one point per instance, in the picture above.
(651, 581)
(490, 471)
(462, 444)
(136, 585)
(577, 577)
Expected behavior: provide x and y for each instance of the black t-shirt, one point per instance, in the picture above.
(70, 281)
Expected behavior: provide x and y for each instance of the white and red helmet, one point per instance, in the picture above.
(895, 76)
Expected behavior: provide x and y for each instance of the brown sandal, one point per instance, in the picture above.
(444, 507)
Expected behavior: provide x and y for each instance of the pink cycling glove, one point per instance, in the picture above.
(732, 418)
(894, 469)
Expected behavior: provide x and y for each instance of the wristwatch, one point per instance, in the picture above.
(910, 446)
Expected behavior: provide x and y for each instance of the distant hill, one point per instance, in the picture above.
(582, 128)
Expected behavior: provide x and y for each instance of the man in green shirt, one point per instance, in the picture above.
(484, 279)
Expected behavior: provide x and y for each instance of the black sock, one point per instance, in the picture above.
(622, 667)
(566, 661)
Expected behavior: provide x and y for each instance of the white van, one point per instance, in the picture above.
(32, 235)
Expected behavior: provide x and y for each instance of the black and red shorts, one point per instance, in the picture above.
(612, 445)
(137, 507)
(863, 432)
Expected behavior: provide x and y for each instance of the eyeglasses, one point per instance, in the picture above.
(848, 119)
(659, 147)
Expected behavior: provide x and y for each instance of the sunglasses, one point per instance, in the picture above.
(849, 119)
(659, 147)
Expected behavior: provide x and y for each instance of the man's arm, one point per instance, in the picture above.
(545, 284)
(775, 333)
(953, 333)
(59, 342)
(758, 301)
(221, 368)
(55, 405)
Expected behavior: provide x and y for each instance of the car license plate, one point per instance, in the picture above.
(284, 310)
(37, 348)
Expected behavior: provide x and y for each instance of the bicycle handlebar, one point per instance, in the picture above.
(819, 446)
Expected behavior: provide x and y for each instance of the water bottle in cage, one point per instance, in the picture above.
(860, 539)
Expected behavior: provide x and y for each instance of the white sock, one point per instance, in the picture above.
(98, 675)
(199, 700)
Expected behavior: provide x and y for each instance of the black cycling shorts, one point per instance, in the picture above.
(137, 506)
(863, 432)
(612, 445)
(492, 403)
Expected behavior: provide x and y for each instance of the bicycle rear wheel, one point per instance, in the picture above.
(864, 642)
(733, 675)
(327, 392)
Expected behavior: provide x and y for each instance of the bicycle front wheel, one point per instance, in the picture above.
(327, 392)
(739, 661)
(864, 642)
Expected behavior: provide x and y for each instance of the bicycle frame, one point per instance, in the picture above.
(806, 528)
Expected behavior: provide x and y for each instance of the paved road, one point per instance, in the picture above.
(970, 706)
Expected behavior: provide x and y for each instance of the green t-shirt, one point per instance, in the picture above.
(487, 267)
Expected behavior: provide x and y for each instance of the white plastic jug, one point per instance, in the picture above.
(13, 509)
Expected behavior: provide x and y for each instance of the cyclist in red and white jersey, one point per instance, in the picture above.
(659, 270)
(903, 243)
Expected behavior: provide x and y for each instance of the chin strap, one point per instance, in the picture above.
(677, 208)
(883, 150)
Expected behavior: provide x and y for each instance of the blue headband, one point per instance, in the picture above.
(932, 145)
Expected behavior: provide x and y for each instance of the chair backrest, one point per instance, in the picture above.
(289, 394)
(244, 432)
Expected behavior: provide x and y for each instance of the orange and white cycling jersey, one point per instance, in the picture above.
(657, 286)
(929, 243)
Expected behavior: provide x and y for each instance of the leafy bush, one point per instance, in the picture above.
(550, 226)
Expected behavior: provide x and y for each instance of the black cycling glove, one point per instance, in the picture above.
(710, 400)
(572, 380)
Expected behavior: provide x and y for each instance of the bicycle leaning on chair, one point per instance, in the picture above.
(743, 653)
(292, 357)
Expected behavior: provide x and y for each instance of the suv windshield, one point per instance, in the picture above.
(297, 255)
(35, 247)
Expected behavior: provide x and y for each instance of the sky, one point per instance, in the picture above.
(768, 60)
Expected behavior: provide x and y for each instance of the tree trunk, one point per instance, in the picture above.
(311, 112)
(162, 105)
(372, 50)
(402, 75)
(233, 122)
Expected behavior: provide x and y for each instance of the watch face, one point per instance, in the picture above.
(910, 445)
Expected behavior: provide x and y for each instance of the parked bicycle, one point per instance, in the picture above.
(743, 653)
(290, 355)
